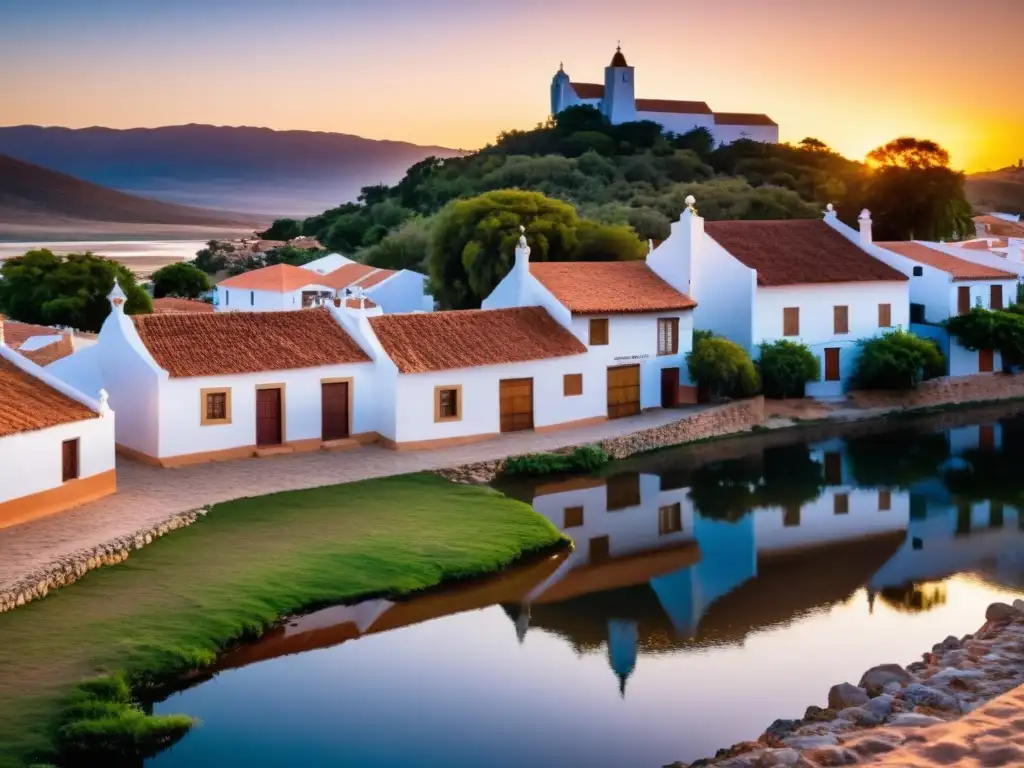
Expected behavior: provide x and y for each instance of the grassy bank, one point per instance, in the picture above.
(171, 606)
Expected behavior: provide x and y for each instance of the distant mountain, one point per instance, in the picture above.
(33, 196)
(247, 169)
(1001, 191)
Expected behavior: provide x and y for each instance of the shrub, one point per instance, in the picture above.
(722, 367)
(987, 329)
(786, 367)
(896, 360)
(180, 279)
(586, 458)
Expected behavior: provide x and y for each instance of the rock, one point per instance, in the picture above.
(914, 720)
(880, 706)
(774, 758)
(846, 695)
(780, 729)
(875, 679)
(812, 742)
(871, 747)
(831, 756)
(949, 674)
(922, 695)
(860, 716)
(1019, 605)
(817, 714)
(892, 688)
(998, 613)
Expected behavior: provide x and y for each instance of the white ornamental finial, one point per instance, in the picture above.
(117, 296)
(650, 245)
(830, 208)
(865, 215)
(691, 201)
(522, 236)
(104, 398)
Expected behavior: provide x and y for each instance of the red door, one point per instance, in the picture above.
(268, 417)
(986, 361)
(334, 407)
(669, 387)
(832, 364)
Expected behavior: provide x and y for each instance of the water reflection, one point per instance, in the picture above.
(683, 557)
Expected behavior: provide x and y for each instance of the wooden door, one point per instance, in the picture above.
(268, 416)
(986, 361)
(669, 387)
(963, 299)
(334, 410)
(623, 391)
(995, 298)
(69, 460)
(516, 397)
(832, 364)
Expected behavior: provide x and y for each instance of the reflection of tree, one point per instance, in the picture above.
(896, 459)
(784, 476)
(914, 598)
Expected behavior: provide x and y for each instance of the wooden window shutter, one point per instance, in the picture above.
(598, 332)
(840, 319)
(995, 297)
(963, 299)
(572, 384)
(885, 315)
(791, 321)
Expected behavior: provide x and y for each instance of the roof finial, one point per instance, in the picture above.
(522, 236)
(117, 296)
(104, 404)
(618, 46)
(830, 208)
(691, 201)
(561, 66)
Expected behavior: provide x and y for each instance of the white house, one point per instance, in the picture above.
(327, 264)
(56, 444)
(617, 101)
(197, 387)
(283, 287)
(637, 327)
(760, 281)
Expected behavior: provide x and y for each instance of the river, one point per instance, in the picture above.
(711, 590)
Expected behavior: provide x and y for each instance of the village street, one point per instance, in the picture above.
(147, 495)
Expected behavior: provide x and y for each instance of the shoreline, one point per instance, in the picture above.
(938, 711)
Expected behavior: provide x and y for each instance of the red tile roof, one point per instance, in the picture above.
(27, 404)
(441, 341)
(588, 90)
(673, 106)
(742, 118)
(960, 269)
(1000, 227)
(375, 278)
(609, 287)
(282, 278)
(16, 334)
(983, 245)
(797, 252)
(344, 276)
(168, 305)
(51, 353)
(194, 344)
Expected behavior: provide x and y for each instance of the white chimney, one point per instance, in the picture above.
(865, 227)
(830, 212)
(1015, 249)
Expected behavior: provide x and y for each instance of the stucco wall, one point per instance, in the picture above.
(402, 292)
(679, 123)
(725, 292)
(727, 134)
(981, 294)
(244, 300)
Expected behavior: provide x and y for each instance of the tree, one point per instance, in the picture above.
(580, 118)
(699, 140)
(786, 367)
(911, 153)
(405, 248)
(213, 258)
(71, 291)
(814, 145)
(722, 367)
(180, 279)
(282, 229)
(897, 360)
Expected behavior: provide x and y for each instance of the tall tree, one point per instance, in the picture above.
(911, 153)
(282, 229)
(180, 279)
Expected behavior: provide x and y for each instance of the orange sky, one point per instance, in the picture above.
(456, 72)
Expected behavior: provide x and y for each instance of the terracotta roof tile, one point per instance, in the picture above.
(960, 269)
(27, 404)
(607, 287)
(169, 305)
(357, 304)
(195, 344)
(983, 245)
(1000, 227)
(797, 252)
(376, 278)
(742, 118)
(442, 341)
(344, 276)
(51, 353)
(673, 106)
(282, 278)
(16, 334)
(588, 90)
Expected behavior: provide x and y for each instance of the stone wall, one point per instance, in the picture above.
(949, 390)
(70, 569)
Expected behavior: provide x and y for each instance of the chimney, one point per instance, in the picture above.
(830, 212)
(522, 265)
(1015, 249)
(865, 228)
(116, 298)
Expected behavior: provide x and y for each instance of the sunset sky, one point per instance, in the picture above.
(456, 72)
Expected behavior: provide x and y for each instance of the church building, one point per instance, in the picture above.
(617, 101)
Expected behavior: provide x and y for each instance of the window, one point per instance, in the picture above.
(69, 460)
(572, 384)
(791, 321)
(573, 517)
(840, 319)
(670, 519)
(885, 315)
(215, 405)
(917, 313)
(884, 500)
(227, 298)
(252, 298)
(447, 404)
(599, 332)
(995, 300)
(841, 504)
(623, 491)
(918, 271)
(791, 516)
(668, 335)
(963, 299)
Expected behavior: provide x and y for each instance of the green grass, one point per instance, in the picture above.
(172, 606)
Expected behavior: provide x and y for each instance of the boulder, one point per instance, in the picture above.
(914, 720)
(812, 742)
(921, 695)
(778, 758)
(999, 613)
(861, 716)
(846, 695)
(780, 729)
(880, 706)
(875, 679)
(1019, 605)
(831, 756)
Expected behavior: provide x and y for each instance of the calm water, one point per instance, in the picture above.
(712, 590)
(170, 250)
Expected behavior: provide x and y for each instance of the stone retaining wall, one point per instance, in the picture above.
(73, 567)
(949, 390)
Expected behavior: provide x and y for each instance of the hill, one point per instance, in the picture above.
(1001, 191)
(35, 197)
(236, 168)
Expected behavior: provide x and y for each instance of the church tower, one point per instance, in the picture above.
(619, 104)
(559, 91)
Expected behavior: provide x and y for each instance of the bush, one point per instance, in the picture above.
(180, 279)
(897, 360)
(722, 367)
(586, 458)
(786, 367)
(987, 329)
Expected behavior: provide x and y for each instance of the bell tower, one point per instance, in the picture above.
(619, 104)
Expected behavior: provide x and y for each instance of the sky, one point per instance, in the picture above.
(457, 72)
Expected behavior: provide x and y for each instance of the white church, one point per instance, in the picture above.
(617, 101)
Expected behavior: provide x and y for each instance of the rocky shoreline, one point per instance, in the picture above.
(888, 717)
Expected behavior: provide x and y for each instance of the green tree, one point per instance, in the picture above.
(180, 279)
(405, 248)
(213, 258)
(813, 144)
(722, 367)
(43, 288)
(786, 367)
(699, 140)
(910, 153)
(896, 360)
(282, 229)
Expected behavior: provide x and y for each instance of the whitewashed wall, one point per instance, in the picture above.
(245, 300)
(726, 293)
(727, 134)
(679, 123)
(402, 292)
(981, 294)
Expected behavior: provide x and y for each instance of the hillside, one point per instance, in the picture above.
(33, 196)
(235, 168)
(1001, 191)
